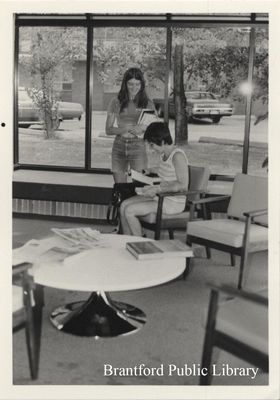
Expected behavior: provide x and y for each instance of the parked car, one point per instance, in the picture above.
(199, 105)
(28, 114)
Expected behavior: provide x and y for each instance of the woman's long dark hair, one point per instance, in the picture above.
(141, 99)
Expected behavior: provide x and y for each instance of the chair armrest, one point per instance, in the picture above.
(182, 193)
(209, 200)
(257, 298)
(256, 213)
(17, 269)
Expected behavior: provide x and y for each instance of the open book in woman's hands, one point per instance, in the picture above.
(148, 116)
(148, 180)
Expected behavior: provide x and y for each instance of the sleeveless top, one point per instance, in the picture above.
(167, 173)
(129, 115)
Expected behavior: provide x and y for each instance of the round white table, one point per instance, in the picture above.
(102, 270)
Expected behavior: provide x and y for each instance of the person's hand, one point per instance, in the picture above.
(164, 186)
(137, 130)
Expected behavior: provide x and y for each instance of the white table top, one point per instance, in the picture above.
(107, 269)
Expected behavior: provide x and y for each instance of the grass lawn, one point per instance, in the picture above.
(69, 149)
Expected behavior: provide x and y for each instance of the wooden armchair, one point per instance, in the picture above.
(156, 222)
(238, 325)
(244, 230)
(27, 313)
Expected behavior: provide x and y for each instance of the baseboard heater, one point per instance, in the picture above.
(59, 209)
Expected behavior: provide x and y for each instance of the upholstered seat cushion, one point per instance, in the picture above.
(246, 321)
(227, 231)
(17, 298)
(180, 218)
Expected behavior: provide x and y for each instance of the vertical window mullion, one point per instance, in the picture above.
(89, 93)
(15, 118)
(248, 111)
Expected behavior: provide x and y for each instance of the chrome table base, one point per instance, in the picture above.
(99, 316)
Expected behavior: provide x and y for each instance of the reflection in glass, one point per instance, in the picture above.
(215, 62)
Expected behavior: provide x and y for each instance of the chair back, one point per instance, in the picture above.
(198, 180)
(250, 193)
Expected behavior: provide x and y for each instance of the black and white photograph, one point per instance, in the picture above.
(140, 200)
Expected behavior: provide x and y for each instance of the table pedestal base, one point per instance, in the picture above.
(99, 316)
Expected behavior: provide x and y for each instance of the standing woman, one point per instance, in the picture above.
(122, 116)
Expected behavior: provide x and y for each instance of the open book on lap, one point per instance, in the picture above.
(148, 180)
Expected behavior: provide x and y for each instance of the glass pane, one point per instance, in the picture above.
(258, 151)
(215, 62)
(114, 51)
(51, 95)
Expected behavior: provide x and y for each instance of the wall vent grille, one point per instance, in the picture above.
(54, 208)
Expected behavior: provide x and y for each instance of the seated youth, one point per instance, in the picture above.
(173, 171)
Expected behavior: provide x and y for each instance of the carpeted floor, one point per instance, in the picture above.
(173, 333)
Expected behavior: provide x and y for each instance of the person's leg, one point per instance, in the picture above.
(137, 155)
(132, 200)
(134, 210)
(119, 161)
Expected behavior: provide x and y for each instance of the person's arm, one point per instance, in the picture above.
(182, 174)
(110, 129)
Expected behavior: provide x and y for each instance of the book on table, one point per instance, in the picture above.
(147, 250)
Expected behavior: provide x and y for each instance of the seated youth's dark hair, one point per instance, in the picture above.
(158, 132)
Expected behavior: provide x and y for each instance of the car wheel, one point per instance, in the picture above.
(216, 120)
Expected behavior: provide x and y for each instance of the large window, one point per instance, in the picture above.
(114, 51)
(67, 76)
(51, 96)
(215, 72)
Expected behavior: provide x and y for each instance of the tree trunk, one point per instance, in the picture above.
(181, 120)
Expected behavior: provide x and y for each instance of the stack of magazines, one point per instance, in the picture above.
(86, 238)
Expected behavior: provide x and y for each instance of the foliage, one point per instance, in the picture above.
(215, 58)
(51, 50)
(119, 49)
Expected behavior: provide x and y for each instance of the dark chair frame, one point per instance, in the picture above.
(30, 316)
(242, 251)
(168, 224)
(215, 338)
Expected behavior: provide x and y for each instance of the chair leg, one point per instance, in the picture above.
(188, 268)
(241, 269)
(33, 340)
(208, 252)
(171, 234)
(232, 259)
(33, 330)
(205, 379)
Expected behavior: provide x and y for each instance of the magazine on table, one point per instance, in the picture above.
(35, 250)
(84, 237)
(147, 250)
